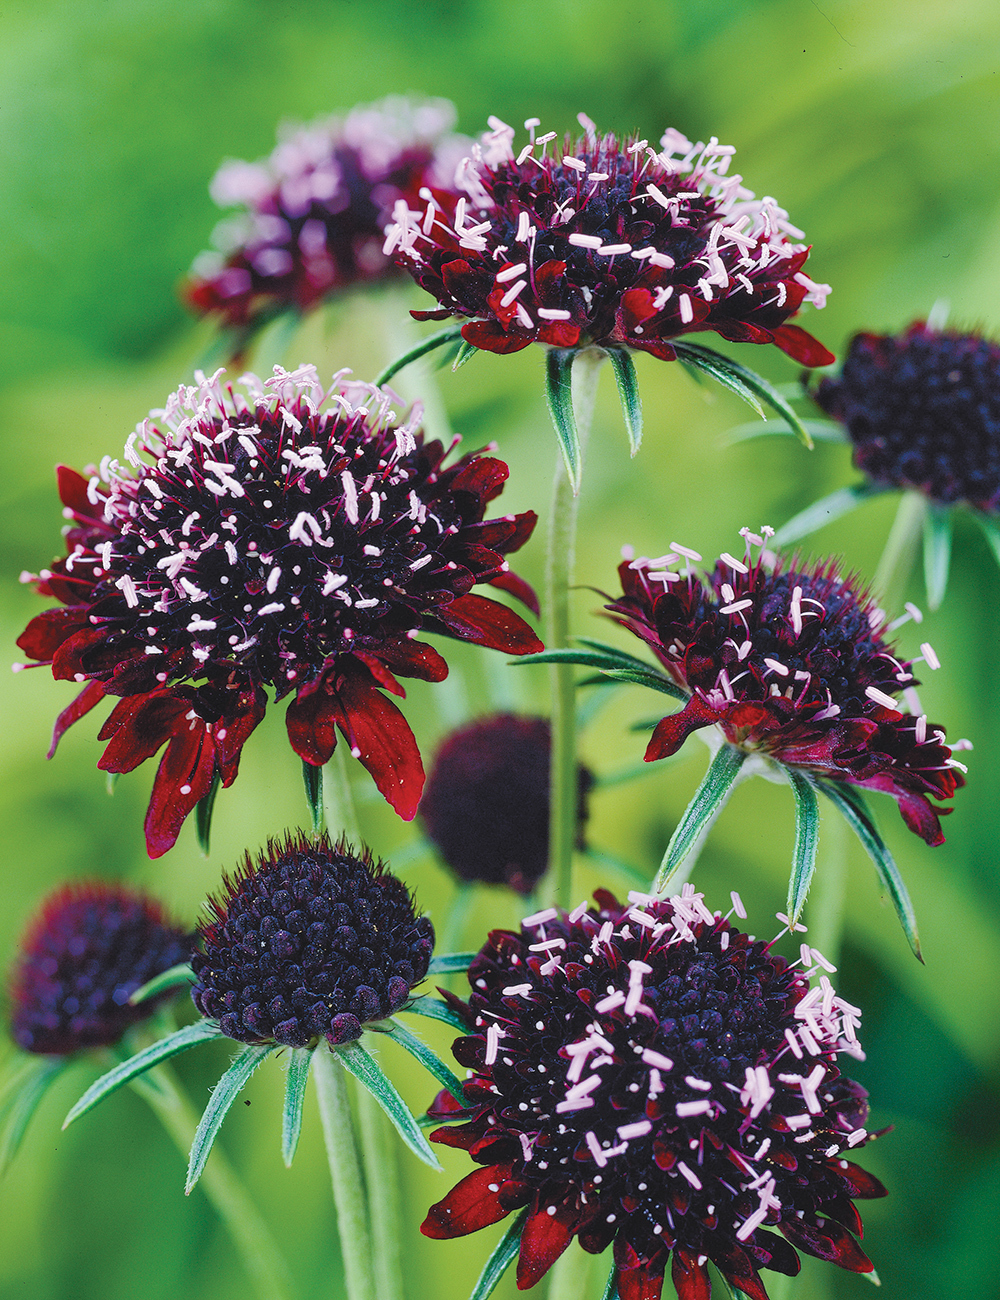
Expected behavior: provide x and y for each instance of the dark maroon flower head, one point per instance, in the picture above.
(311, 215)
(313, 940)
(486, 803)
(790, 660)
(605, 243)
(649, 1076)
(266, 541)
(85, 953)
(923, 411)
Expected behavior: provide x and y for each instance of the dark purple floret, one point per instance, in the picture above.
(645, 1075)
(486, 802)
(88, 949)
(312, 940)
(923, 411)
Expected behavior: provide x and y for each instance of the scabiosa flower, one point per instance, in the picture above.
(923, 411)
(313, 940)
(648, 1075)
(790, 660)
(486, 803)
(606, 243)
(267, 541)
(311, 215)
(85, 953)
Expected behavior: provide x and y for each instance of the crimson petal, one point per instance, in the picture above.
(671, 732)
(469, 1206)
(488, 623)
(184, 778)
(381, 739)
(802, 347)
(490, 337)
(91, 694)
(828, 1240)
(137, 727)
(689, 1277)
(640, 1283)
(518, 588)
(310, 720)
(546, 1235)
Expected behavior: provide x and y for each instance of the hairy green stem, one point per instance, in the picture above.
(345, 1175)
(825, 912)
(558, 578)
(900, 554)
(382, 1177)
(250, 1234)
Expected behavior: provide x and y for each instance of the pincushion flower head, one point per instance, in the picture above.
(274, 535)
(650, 1077)
(597, 241)
(312, 940)
(88, 949)
(486, 804)
(921, 410)
(310, 216)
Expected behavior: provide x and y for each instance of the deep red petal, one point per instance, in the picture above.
(740, 1271)
(671, 732)
(381, 739)
(917, 811)
(47, 631)
(137, 727)
(559, 333)
(689, 1277)
(233, 731)
(484, 477)
(635, 308)
(518, 588)
(543, 1240)
(380, 672)
(828, 1241)
(91, 694)
(860, 1183)
(488, 335)
(184, 777)
(469, 1206)
(487, 622)
(440, 313)
(310, 721)
(802, 347)
(414, 659)
(642, 1283)
(73, 494)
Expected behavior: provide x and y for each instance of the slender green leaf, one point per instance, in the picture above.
(990, 531)
(825, 511)
(203, 815)
(559, 395)
(628, 393)
(358, 1061)
(312, 781)
(429, 1060)
(465, 353)
(745, 383)
(851, 803)
(818, 430)
(223, 1095)
(937, 551)
(611, 1286)
(449, 962)
(419, 350)
(503, 1256)
(806, 841)
(202, 1031)
(428, 1121)
(622, 659)
(167, 979)
(22, 1100)
(709, 800)
(655, 681)
(730, 1292)
(436, 1010)
(295, 1094)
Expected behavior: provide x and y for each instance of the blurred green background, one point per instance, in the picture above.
(877, 127)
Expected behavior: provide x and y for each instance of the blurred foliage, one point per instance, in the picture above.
(876, 126)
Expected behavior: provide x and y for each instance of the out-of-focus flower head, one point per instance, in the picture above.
(311, 215)
(86, 951)
(647, 1075)
(790, 660)
(486, 803)
(284, 536)
(311, 940)
(605, 242)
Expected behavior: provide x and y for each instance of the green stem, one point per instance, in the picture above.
(570, 1274)
(345, 1175)
(829, 892)
(382, 1177)
(901, 549)
(558, 577)
(338, 799)
(251, 1236)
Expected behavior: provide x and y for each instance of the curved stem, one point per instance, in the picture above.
(262, 1259)
(558, 577)
(345, 1175)
(900, 554)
